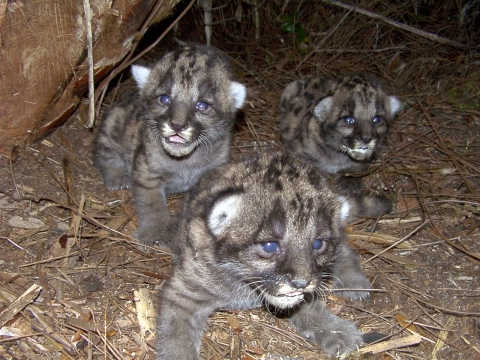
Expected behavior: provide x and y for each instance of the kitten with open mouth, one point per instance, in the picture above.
(164, 136)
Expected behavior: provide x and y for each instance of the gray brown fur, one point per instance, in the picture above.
(338, 124)
(228, 222)
(161, 138)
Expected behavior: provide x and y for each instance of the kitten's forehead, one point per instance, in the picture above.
(361, 97)
(299, 192)
(268, 198)
(195, 71)
(358, 101)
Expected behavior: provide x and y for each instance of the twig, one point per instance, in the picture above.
(41, 277)
(398, 242)
(445, 150)
(10, 159)
(320, 44)
(445, 310)
(397, 24)
(466, 252)
(22, 301)
(391, 344)
(91, 81)
(49, 260)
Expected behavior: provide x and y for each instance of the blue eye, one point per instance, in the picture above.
(165, 99)
(349, 120)
(201, 106)
(270, 247)
(318, 244)
(377, 119)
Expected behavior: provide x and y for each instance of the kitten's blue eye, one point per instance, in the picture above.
(270, 247)
(377, 119)
(165, 99)
(349, 120)
(318, 244)
(201, 106)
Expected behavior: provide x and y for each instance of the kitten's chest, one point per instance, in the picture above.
(180, 175)
(182, 178)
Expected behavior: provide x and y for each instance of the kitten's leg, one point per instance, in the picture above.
(362, 205)
(348, 273)
(334, 335)
(113, 172)
(180, 325)
(109, 153)
(152, 212)
(348, 185)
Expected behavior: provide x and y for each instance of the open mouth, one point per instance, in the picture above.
(359, 154)
(293, 293)
(177, 140)
(285, 301)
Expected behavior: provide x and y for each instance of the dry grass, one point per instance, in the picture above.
(423, 259)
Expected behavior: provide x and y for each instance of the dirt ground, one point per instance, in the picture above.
(66, 238)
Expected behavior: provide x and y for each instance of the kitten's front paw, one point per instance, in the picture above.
(356, 281)
(334, 335)
(144, 239)
(118, 181)
(339, 338)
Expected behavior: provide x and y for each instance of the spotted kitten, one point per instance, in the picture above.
(265, 231)
(164, 136)
(338, 124)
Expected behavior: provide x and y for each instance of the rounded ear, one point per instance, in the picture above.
(141, 74)
(223, 212)
(322, 107)
(238, 92)
(395, 105)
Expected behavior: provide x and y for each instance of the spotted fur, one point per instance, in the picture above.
(339, 125)
(164, 136)
(265, 231)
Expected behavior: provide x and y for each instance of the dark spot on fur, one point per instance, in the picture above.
(314, 178)
(293, 173)
(211, 61)
(324, 218)
(273, 173)
(299, 89)
(278, 186)
(276, 220)
(294, 204)
(310, 204)
(309, 96)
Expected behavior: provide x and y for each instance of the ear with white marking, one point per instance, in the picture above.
(345, 210)
(395, 105)
(322, 107)
(141, 74)
(223, 212)
(238, 92)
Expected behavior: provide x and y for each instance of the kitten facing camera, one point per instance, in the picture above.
(267, 231)
(339, 125)
(164, 136)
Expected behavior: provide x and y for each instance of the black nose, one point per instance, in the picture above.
(178, 127)
(300, 283)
